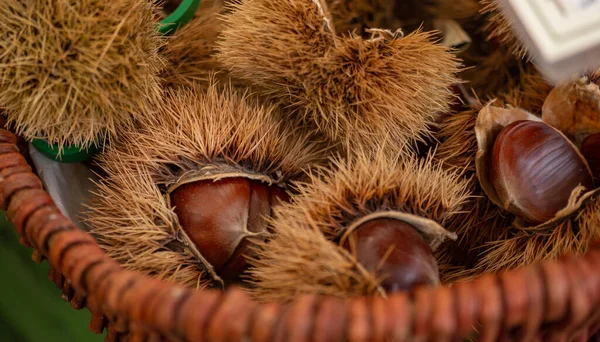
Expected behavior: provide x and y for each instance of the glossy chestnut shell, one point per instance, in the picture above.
(395, 251)
(590, 149)
(221, 217)
(534, 169)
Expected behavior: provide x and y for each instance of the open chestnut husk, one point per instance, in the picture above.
(185, 196)
(221, 217)
(527, 167)
(395, 251)
(492, 240)
(368, 225)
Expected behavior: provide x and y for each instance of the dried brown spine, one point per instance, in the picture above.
(358, 16)
(530, 92)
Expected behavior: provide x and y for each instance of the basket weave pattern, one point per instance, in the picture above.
(554, 301)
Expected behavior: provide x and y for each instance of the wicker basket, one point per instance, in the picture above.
(554, 301)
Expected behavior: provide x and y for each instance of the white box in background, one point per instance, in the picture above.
(563, 36)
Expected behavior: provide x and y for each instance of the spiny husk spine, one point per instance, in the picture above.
(299, 260)
(531, 91)
(78, 72)
(364, 183)
(520, 248)
(480, 220)
(499, 28)
(353, 90)
(350, 16)
(199, 131)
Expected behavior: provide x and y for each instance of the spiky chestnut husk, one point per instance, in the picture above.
(214, 139)
(573, 234)
(531, 91)
(169, 6)
(77, 72)
(480, 221)
(353, 90)
(500, 29)
(304, 256)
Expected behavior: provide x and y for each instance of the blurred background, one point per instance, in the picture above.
(31, 307)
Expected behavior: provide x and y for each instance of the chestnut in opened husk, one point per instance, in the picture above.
(534, 169)
(395, 251)
(220, 218)
(590, 149)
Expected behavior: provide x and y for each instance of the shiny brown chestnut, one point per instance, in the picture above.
(395, 251)
(221, 217)
(534, 169)
(590, 149)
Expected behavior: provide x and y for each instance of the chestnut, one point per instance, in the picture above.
(395, 251)
(220, 218)
(590, 149)
(534, 169)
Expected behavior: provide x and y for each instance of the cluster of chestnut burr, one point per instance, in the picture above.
(314, 185)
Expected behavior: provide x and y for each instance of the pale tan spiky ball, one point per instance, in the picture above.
(200, 133)
(500, 29)
(303, 255)
(353, 90)
(76, 72)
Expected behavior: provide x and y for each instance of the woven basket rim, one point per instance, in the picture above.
(555, 298)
